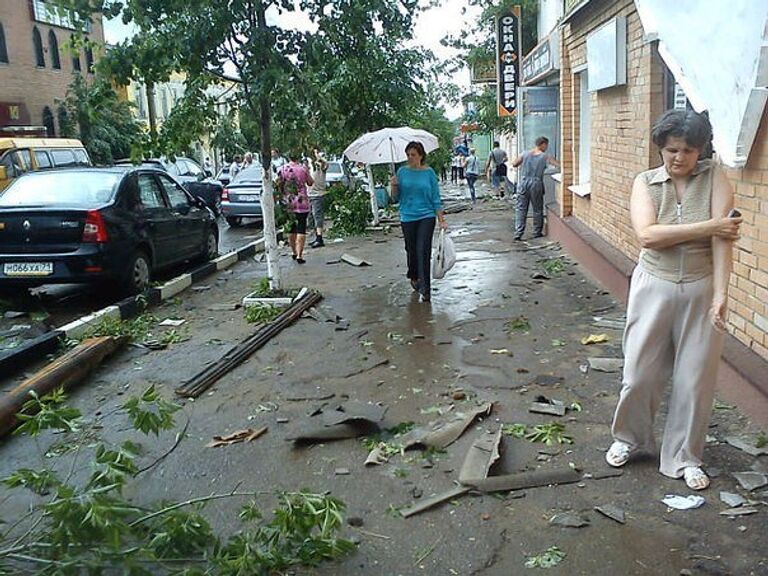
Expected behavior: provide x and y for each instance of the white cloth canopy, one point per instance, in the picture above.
(387, 145)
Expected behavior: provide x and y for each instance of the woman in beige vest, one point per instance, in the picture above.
(678, 299)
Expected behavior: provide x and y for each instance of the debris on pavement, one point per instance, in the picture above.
(247, 435)
(433, 501)
(544, 405)
(379, 455)
(606, 364)
(740, 511)
(547, 559)
(733, 500)
(350, 420)
(751, 480)
(341, 472)
(610, 323)
(533, 479)
(745, 446)
(480, 458)
(174, 322)
(594, 339)
(442, 434)
(546, 380)
(683, 502)
(353, 260)
(568, 520)
(613, 512)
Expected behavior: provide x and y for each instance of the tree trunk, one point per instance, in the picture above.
(151, 111)
(374, 202)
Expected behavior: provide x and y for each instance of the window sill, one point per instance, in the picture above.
(557, 177)
(582, 190)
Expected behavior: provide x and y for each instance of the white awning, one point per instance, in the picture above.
(718, 53)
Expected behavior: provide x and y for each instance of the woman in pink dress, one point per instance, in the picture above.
(293, 179)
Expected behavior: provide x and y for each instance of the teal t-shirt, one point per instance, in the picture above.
(419, 194)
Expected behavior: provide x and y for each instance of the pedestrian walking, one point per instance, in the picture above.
(678, 299)
(473, 171)
(530, 186)
(462, 162)
(496, 169)
(276, 162)
(292, 181)
(317, 198)
(455, 163)
(235, 167)
(419, 195)
(247, 160)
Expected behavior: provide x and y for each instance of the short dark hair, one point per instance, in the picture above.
(419, 147)
(294, 156)
(542, 140)
(496, 144)
(687, 124)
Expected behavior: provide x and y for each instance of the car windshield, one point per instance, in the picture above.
(334, 168)
(80, 189)
(249, 175)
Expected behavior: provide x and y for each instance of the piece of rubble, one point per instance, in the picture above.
(732, 500)
(341, 471)
(683, 502)
(378, 455)
(751, 480)
(740, 511)
(432, 501)
(613, 512)
(746, 446)
(443, 433)
(568, 520)
(609, 365)
(247, 435)
(481, 456)
(353, 260)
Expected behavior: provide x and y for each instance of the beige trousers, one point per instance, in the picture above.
(669, 334)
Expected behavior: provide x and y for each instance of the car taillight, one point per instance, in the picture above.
(225, 194)
(95, 230)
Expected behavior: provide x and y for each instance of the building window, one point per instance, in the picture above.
(50, 128)
(37, 40)
(53, 47)
(585, 129)
(674, 96)
(89, 59)
(3, 47)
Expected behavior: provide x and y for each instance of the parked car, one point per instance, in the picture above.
(100, 225)
(192, 177)
(338, 173)
(242, 197)
(21, 155)
(223, 176)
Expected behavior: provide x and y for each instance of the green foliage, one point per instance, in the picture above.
(515, 430)
(47, 413)
(349, 209)
(261, 313)
(138, 328)
(762, 440)
(93, 113)
(553, 266)
(552, 556)
(228, 137)
(150, 412)
(550, 433)
(88, 527)
(519, 324)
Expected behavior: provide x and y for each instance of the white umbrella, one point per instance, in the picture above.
(387, 146)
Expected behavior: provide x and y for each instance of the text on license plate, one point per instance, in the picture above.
(247, 197)
(28, 268)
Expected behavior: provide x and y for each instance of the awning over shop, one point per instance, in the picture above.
(719, 55)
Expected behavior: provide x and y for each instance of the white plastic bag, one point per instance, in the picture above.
(445, 255)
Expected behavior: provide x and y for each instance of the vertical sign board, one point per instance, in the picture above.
(508, 60)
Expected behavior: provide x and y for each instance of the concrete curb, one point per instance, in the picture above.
(33, 350)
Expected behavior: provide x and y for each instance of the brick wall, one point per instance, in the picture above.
(21, 80)
(621, 147)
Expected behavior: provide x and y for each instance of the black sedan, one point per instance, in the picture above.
(110, 225)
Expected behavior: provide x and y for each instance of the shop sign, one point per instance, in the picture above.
(541, 60)
(508, 60)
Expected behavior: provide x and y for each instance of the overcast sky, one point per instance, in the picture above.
(431, 27)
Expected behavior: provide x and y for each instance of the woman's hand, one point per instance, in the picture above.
(726, 228)
(443, 224)
(393, 182)
(718, 312)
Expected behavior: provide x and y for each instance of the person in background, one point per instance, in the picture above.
(208, 166)
(317, 198)
(455, 161)
(415, 186)
(293, 179)
(247, 160)
(462, 163)
(472, 168)
(530, 186)
(676, 314)
(235, 167)
(496, 169)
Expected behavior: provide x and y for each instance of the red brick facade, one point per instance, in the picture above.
(621, 120)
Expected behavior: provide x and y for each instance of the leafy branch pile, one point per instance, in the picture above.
(550, 433)
(90, 527)
(261, 313)
(348, 208)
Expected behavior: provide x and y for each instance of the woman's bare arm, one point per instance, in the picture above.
(722, 250)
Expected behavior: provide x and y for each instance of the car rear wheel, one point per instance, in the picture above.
(234, 221)
(137, 274)
(211, 246)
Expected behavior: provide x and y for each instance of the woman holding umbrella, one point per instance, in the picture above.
(419, 195)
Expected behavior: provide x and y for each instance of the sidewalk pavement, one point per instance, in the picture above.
(504, 326)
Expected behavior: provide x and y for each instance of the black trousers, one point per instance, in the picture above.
(418, 247)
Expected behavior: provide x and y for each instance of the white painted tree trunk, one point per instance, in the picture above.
(372, 190)
(270, 233)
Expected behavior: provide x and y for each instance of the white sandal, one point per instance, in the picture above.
(695, 478)
(618, 454)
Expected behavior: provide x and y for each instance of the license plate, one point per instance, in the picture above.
(248, 198)
(28, 268)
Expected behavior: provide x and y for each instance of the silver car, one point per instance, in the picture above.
(242, 197)
(338, 173)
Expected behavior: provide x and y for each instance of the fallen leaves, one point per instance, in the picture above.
(247, 435)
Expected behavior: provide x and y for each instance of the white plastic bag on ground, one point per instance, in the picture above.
(445, 255)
